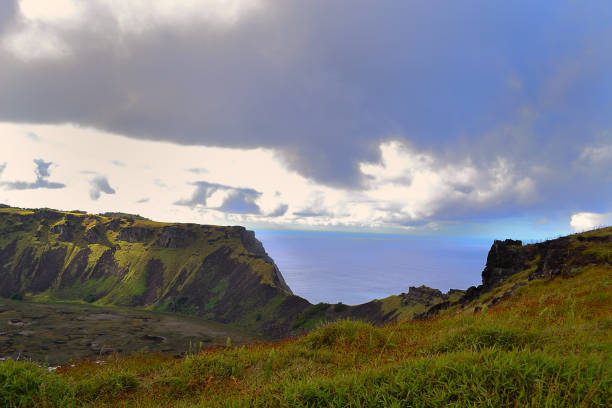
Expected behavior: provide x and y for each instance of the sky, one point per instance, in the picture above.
(464, 118)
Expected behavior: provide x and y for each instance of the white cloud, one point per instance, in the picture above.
(140, 15)
(584, 221)
(417, 185)
(35, 42)
(597, 154)
(406, 190)
(51, 10)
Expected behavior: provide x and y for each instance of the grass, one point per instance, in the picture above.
(548, 345)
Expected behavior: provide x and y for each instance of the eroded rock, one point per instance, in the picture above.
(135, 234)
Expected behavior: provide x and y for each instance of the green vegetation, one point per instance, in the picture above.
(17, 296)
(311, 317)
(125, 260)
(548, 345)
(118, 215)
(340, 307)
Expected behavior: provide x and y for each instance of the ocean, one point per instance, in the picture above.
(356, 268)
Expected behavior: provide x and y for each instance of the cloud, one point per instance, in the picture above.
(310, 213)
(42, 174)
(223, 198)
(2, 167)
(42, 168)
(323, 85)
(408, 189)
(279, 211)
(33, 137)
(99, 184)
(584, 221)
(118, 163)
(240, 202)
(597, 154)
(412, 186)
(197, 171)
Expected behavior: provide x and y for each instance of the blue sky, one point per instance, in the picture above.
(458, 118)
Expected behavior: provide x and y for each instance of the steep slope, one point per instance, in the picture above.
(219, 273)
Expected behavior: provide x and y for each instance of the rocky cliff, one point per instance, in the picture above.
(510, 265)
(219, 273)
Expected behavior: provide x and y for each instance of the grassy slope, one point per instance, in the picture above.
(547, 345)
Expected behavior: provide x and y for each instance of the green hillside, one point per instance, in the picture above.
(536, 333)
(213, 272)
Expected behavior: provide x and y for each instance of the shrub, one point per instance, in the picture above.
(17, 296)
(25, 384)
(314, 312)
(340, 307)
(346, 333)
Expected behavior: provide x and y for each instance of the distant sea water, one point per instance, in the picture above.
(356, 268)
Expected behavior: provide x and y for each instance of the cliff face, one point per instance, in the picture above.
(510, 265)
(221, 273)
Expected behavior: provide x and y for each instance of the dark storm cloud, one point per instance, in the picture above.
(42, 174)
(98, 185)
(238, 200)
(325, 82)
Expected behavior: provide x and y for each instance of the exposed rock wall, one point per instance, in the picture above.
(255, 246)
(546, 260)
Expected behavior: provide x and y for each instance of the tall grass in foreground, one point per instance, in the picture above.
(547, 346)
